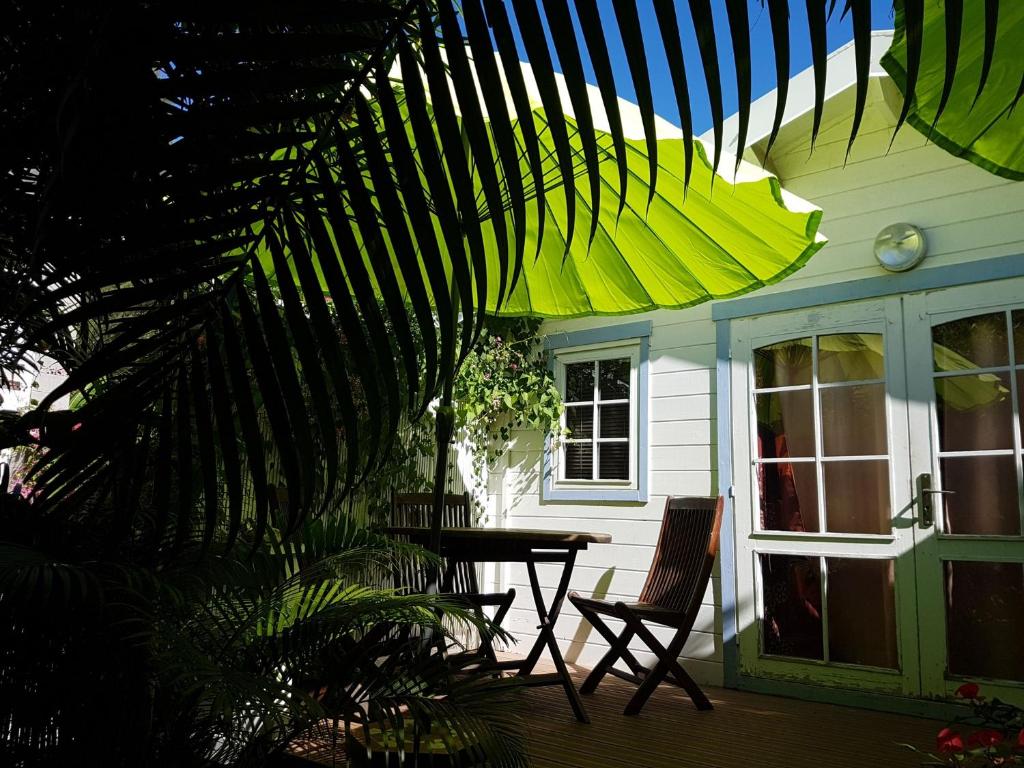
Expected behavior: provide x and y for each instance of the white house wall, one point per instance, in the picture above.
(966, 213)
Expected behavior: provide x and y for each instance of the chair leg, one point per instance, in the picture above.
(668, 663)
(618, 646)
(611, 638)
(486, 648)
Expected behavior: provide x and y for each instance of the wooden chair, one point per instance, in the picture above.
(414, 510)
(671, 596)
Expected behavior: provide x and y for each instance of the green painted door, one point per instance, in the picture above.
(855, 568)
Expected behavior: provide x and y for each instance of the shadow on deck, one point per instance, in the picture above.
(744, 729)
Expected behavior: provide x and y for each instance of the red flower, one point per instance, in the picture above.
(949, 741)
(1020, 739)
(986, 737)
(968, 691)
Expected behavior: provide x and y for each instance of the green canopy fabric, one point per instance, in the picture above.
(722, 237)
(713, 241)
(986, 133)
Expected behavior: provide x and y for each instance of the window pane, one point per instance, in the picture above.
(985, 495)
(1020, 399)
(971, 342)
(785, 424)
(579, 461)
(614, 420)
(857, 496)
(784, 364)
(791, 595)
(613, 461)
(613, 379)
(789, 496)
(579, 382)
(985, 619)
(580, 421)
(853, 420)
(1017, 320)
(975, 412)
(862, 612)
(851, 357)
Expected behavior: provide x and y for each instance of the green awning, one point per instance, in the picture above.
(986, 133)
(708, 242)
(716, 240)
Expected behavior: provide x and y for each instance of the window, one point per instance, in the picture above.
(603, 385)
(599, 393)
(821, 457)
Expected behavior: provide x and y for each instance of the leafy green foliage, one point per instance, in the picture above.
(225, 660)
(504, 385)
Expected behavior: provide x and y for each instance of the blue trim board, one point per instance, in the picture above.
(603, 335)
(925, 279)
(623, 332)
(727, 537)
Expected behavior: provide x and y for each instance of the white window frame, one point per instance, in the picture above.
(616, 339)
(592, 354)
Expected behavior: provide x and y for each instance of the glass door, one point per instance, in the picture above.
(965, 369)
(826, 587)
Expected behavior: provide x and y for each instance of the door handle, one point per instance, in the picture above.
(925, 501)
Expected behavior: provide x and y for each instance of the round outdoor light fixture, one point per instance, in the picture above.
(900, 247)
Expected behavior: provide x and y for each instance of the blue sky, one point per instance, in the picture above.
(839, 32)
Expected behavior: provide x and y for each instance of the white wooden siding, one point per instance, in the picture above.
(966, 213)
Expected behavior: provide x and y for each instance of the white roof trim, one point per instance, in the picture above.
(841, 75)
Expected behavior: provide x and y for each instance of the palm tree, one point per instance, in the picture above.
(222, 220)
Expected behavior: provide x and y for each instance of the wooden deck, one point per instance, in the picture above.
(744, 729)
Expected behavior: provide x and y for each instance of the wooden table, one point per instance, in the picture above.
(522, 545)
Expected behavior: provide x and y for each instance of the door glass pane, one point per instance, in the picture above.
(862, 612)
(579, 461)
(1017, 320)
(785, 424)
(785, 364)
(853, 420)
(971, 342)
(580, 421)
(857, 496)
(791, 596)
(975, 412)
(579, 382)
(613, 461)
(985, 619)
(614, 420)
(985, 495)
(789, 496)
(613, 379)
(850, 357)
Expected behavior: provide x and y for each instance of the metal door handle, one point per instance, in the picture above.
(925, 504)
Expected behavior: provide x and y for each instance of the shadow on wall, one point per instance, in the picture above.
(572, 653)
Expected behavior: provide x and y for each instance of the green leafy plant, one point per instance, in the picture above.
(992, 735)
(504, 384)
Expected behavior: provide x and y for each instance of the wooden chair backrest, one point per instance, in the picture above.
(685, 555)
(414, 509)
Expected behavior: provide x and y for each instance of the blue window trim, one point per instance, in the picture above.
(925, 279)
(640, 331)
(966, 273)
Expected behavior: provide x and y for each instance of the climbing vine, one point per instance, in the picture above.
(504, 384)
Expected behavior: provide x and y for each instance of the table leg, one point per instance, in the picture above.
(546, 635)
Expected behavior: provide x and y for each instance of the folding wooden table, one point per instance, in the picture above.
(520, 545)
